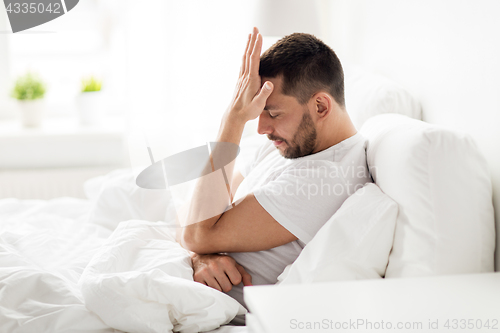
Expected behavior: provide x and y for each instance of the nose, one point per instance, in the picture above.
(265, 126)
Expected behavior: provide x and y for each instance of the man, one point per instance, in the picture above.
(314, 160)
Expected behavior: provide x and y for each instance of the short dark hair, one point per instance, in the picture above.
(307, 65)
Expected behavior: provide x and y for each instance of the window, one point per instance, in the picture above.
(90, 39)
(171, 66)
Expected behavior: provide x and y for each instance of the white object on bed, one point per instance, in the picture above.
(441, 182)
(354, 244)
(141, 280)
(383, 305)
(116, 197)
(368, 95)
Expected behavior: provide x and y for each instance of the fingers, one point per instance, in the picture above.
(211, 282)
(243, 64)
(220, 272)
(245, 277)
(216, 279)
(224, 282)
(250, 49)
(263, 95)
(255, 57)
(234, 274)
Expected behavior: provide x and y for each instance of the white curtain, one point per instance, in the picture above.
(183, 60)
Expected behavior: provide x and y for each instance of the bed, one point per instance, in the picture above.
(45, 246)
(98, 264)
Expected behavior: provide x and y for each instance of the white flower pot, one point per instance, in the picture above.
(32, 112)
(90, 107)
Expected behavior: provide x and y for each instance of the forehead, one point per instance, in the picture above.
(277, 100)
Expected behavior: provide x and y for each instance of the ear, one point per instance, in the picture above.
(322, 104)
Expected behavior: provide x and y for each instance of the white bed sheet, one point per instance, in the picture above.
(44, 248)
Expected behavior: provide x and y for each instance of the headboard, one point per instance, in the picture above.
(444, 52)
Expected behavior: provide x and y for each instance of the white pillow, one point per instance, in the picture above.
(117, 198)
(441, 182)
(354, 244)
(368, 95)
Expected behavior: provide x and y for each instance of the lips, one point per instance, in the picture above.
(277, 143)
(276, 140)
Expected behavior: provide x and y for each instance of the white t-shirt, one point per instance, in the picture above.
(301, 194)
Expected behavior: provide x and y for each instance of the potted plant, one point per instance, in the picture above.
(29, 91)
(90, 101)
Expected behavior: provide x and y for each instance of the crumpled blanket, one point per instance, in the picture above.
(141, 280)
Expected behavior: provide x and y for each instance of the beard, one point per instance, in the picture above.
(303, 140)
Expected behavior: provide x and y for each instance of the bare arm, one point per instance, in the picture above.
(247, 226)
(237, 179)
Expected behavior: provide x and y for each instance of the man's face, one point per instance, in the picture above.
(287, 123)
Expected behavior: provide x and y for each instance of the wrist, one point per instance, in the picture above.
(194, 258)
(235, 117)
(231, 128)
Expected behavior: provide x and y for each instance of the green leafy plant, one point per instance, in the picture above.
(91, 84)
(28, 87)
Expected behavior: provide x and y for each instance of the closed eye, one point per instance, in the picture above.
(272, 111)
(272, 115)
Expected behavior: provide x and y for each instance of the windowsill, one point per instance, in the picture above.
(57, 126)
(61, 143)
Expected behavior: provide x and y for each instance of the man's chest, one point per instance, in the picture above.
(264, 172)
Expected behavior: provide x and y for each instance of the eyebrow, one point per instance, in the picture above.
(270, 107)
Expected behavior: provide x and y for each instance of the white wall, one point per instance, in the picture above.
(445, 52)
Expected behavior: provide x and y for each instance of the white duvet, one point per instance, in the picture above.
(140, 280)
(62, 269)
(44, 248)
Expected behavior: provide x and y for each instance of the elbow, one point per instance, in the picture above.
(194, 240)
(188, 239)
